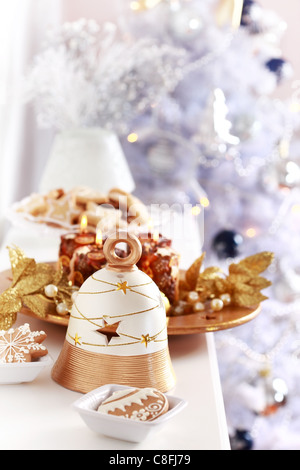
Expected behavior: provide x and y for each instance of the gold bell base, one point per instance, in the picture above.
(83, 371)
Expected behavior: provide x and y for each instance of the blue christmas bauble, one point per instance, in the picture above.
(278, 65)
(227, 244)
(246, 12)
(242, 440)
(252, 16)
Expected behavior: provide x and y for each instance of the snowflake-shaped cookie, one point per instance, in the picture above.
(21, 344)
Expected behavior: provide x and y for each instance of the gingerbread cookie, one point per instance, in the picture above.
(84, 195)
(140, 404)
(133, 208)
(35, 205)
(21, 344)
(60, 208)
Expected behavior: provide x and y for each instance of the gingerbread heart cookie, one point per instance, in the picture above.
(21, 344)
(140, 404)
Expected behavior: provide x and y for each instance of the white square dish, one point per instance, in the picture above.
(16, 372)
(119, 427)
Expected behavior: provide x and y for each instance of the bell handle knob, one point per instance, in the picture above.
(114, 261)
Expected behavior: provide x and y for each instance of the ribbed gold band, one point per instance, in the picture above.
(83, 371)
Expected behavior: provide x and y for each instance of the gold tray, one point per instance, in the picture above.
(229, 317)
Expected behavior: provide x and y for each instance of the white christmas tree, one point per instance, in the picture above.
(223, 111)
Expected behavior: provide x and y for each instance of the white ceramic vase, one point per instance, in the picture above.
(90, 157)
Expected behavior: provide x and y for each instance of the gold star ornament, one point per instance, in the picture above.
(123, 286)
(146, 339)
(109, 330)
(76, 340)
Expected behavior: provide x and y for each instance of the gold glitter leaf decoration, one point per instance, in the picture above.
(58, 276)
(245, 296)
(20, 265)
(206, 289)
(255, 264)
(221, 286)
(243, 282)
(206, 285)
(34, 282)
(29, 280)
(259, 282)
(210, 273)
(38, 304)
(64, 286)
(192, 273)
(10, 302)
(7, 321)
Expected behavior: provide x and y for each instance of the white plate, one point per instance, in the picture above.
(16, 372)
(116, 426)
(37, 225)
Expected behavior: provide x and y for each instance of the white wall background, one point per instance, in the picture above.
(289, 10)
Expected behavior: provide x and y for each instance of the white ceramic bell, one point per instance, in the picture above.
(117, 331)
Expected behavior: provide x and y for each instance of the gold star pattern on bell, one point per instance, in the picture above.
(123, 286)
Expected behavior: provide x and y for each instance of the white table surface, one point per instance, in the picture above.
(39, 415)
